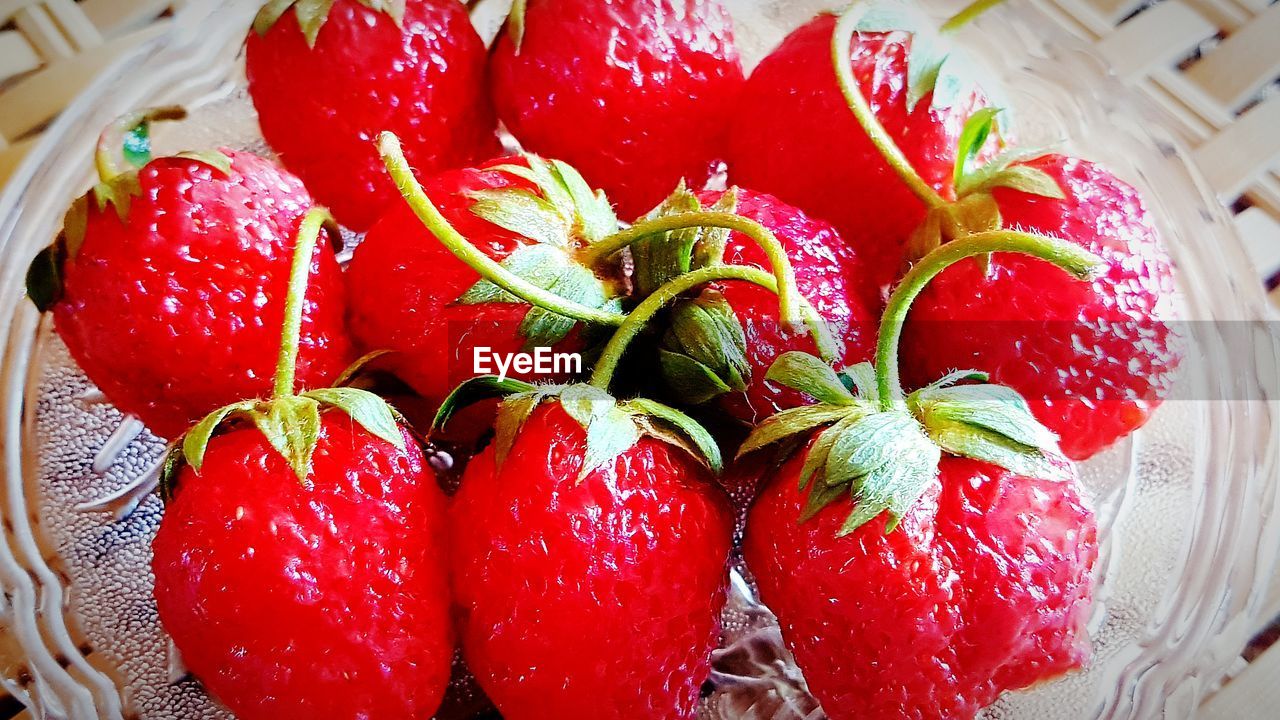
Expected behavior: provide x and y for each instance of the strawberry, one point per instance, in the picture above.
(170, 274)
(1109, 341)
(635, 93)
(945, 612)
(326, 76)
(973, 567)
(546, 544)
(490, 239)
(411, 295)
(590, 512)
(792, 134)
(722, 343)
(299, 565)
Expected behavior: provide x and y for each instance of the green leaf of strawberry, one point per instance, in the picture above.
(703, 352)
(612, 427)
(313, 14)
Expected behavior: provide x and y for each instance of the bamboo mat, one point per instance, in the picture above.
(1213, 64)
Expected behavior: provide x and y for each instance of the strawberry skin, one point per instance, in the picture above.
(984, 586)
(1092, 359)
(828, 275)
(327, 599)
(176, 310)
(404, 286)
(635, 93)
(794, 136)
(556, 579)
(321, 108)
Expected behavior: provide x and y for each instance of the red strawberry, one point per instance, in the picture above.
(299, 565)
(793, 134)
(327, 76)
(411, 295)
(945, 612)
(558, 570)
(723, 343)
(973, 575)
(168, 281)
(635, 93)
(1093, 360)
(587, 512)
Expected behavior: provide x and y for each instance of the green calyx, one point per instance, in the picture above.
(124, 148)
(548, 273)
(662, 257)
(975, 209)
(703, 355)
(612, 427)
(704, 351)
(313, 14)
(881, 447)
(290, 421)
(561, 216)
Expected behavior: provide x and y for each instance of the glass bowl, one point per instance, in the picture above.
(1188, 506)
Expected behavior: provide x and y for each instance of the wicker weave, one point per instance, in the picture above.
(51, 49)
(1214, 64)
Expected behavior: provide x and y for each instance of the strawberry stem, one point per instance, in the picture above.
(294, 300)
(124, 145)
(1071, 258)
(636, 321)
(841, 41)
(763, 237)
(430, 216)
(968, 14)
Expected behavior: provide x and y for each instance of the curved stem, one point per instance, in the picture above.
(1071, 258)
(763, 237)
(117, 140)
(968, 14)
(644, 312)
(841, 40)
(393, 157)
(294, 299)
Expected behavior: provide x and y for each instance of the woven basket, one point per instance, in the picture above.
(1213, 64)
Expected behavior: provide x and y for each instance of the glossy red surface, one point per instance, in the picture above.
(323, 108)
(636, 99)
(984, 586)
(591, 600)
(177, 311)
(1093, 359)
(828, 275)
(793, 135)
(300, 602)
(404, 283)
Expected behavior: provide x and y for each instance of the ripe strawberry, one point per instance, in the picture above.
(1093, 360)
(299, 565)
(411, 295)
(635, 93)
(168, 280)
(587, 512)
(528, 230)
(327, 76)
(793, 135)
(945, 612)
(973, 575)
(546, 546)
(723, 342)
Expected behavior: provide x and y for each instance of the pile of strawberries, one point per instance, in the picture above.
(901, 328)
